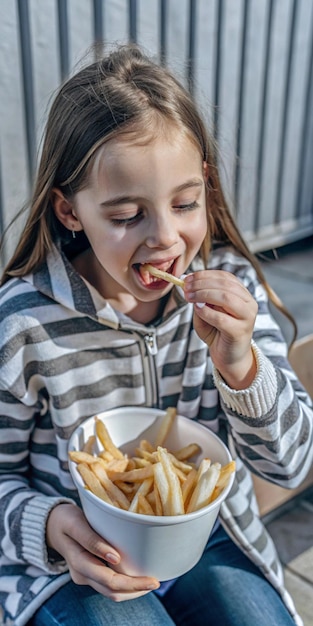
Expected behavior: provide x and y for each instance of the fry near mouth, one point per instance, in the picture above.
(152, 274)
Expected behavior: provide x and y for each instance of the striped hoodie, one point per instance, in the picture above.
(66, 354)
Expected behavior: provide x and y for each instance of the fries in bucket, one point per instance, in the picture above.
(155, 480)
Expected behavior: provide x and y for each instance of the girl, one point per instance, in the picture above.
(128, 176)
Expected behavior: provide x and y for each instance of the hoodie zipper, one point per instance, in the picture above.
(149, 368)
(151, 343)
(148, 349)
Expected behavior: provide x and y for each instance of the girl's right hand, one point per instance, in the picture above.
(89, 557)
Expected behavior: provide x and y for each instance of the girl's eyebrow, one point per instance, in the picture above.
(194, 182)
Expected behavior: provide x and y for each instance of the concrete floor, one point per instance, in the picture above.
(291, 527)
(290, 273)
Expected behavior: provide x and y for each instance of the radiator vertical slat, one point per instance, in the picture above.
(64, 53)
(307, 113)
(192, 44)
(28, 85)
(218, 66)
(265, 81)
(162, 29)
(98, 20)
(286, 103)
(132, 10)
(241, 100)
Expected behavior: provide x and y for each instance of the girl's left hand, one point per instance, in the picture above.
(225, 323)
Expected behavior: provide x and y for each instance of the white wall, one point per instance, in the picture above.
(44, 33)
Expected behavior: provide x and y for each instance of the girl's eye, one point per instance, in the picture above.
(187, 207)
(126, 221)
(134, 219)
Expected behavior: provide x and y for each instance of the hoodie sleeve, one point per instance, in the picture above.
(23, 510)
(24, 507)
(271, 422)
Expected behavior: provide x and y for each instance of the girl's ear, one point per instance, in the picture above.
(205, 171)
(63, 209)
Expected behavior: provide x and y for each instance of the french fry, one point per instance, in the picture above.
(165, 427)
(223, 479)
(90, 444)
(203, 467)
(157, 499)
(141, 462)
(132, 475)
(142, 491)
(162, 487)
(163, 275)
(188, 486)
(131, 464)
(127, 488)
(93, 483)
(79, 456)
(187, 452)
(176, 503)
(225, 473)
(184, 467)
(114, 492)
(146, 445)
(144, 506)
(151, 457)
(179, 473)
(152, 500)
(105, 439)
(117, 465)
(204, 488)
(106, 455)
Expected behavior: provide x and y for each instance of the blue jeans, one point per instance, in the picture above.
(224, 588)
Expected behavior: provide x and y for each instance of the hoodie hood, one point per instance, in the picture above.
(57, 279)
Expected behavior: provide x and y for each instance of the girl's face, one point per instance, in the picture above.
(145, 204)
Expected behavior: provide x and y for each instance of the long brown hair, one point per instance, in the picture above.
(123, 92)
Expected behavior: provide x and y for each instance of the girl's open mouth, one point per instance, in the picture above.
(150, 281)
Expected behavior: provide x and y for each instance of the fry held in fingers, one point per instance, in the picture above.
(154, 271)
(156, 481)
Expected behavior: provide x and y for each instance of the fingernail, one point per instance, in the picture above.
(112, 558)
(153, 586)
(188, 278)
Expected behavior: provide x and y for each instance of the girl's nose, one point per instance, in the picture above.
(161, 233)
